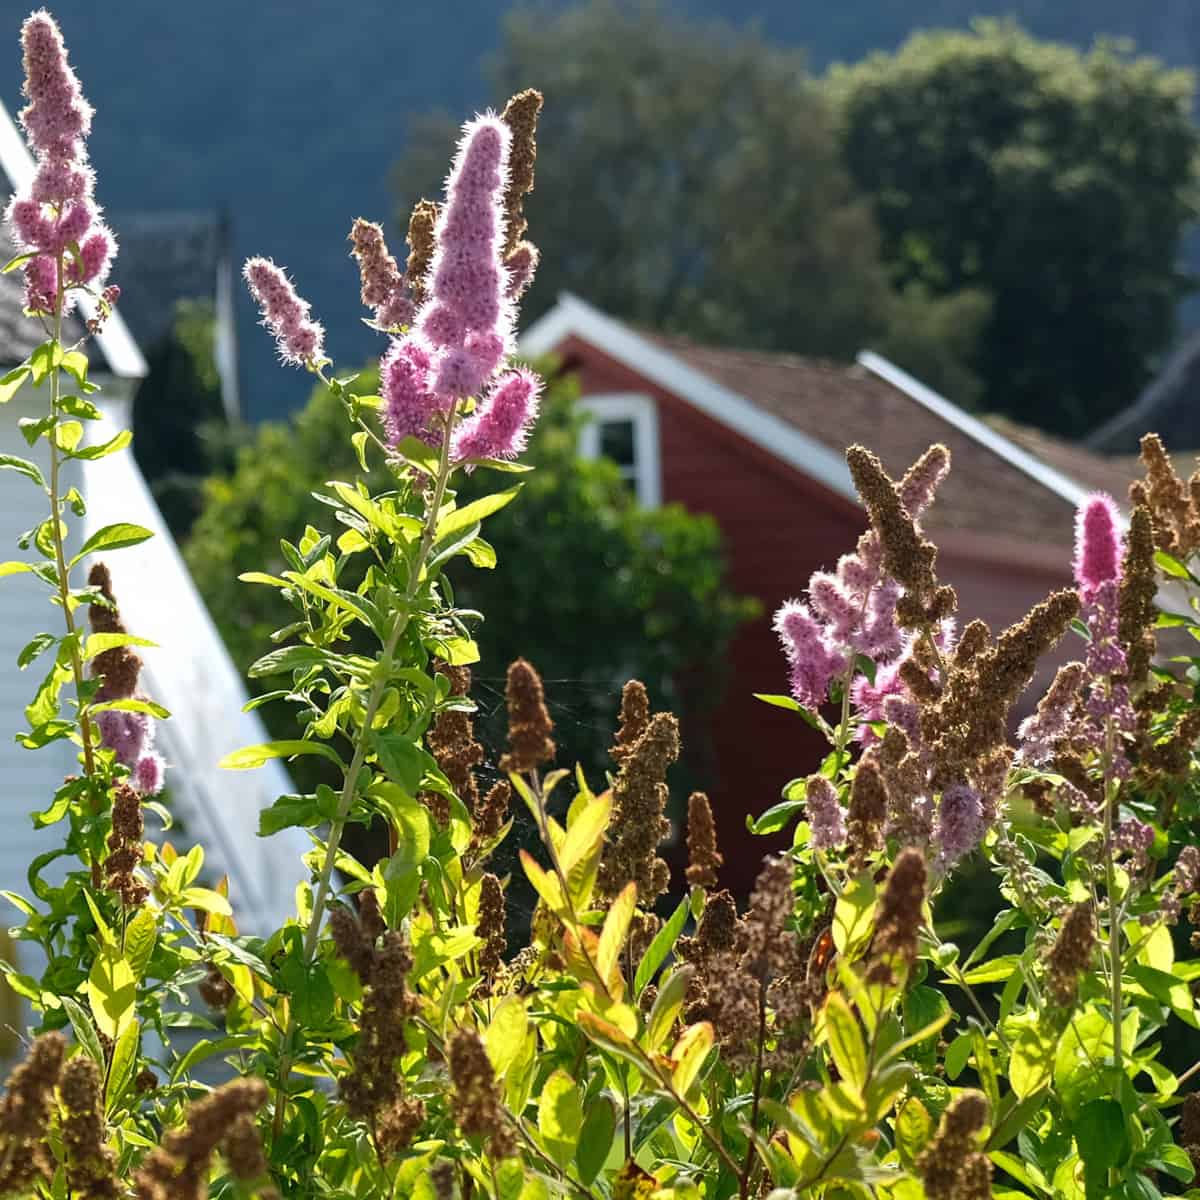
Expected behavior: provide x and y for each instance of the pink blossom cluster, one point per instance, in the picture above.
(1107, 717)
(826, 819)
(962, 820)
(56, 219)
(299, 338)
(130, 736)
(463, 333)
(852, 610)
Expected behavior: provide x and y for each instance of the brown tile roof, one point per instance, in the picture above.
(838, 405)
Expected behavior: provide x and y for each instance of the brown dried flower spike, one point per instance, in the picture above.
(704, 859)
(529, 724)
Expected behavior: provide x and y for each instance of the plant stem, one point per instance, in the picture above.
(744, 1187)
(60, 558)
(1112, 788)
(350, 785)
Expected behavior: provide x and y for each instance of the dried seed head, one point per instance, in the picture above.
(529, 724)
(953, 1167)
(490, 927)
(520, 115)
(704, 859)
(1135, 605)
(476, 1101)
(867, 813)
(767, 944)
(29, 1094)
(216, 991)
(492, 812)
(898, 917)
(451, 740)
(638, 825)
(635, 716)
(91, 1164)
(1071, 954)
(421, 245)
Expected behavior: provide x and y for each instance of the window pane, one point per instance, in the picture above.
(616, 442)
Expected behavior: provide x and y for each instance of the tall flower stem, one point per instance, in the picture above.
(350, 785)
(60, 558)
(1114, 920)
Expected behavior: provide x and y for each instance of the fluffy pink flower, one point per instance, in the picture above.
(300, 339)
(812, 660)
(869, 699)
(960, 824)
(499, 428)
(467, 281)
(57, 116)
(41, 284)
(826, 820)
(410, 403)
(1097, 543)
(148, 774)
(126, 734)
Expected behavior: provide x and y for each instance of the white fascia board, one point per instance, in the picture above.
(974, 428)
(115, 341)
(572, 317)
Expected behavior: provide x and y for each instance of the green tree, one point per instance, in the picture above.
(689, 180)
(590, 586)
(1058, 183)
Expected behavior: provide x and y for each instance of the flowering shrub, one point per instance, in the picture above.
(397, 1038)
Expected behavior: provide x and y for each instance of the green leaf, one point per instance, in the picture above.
(845, 1041)
(288, 658)
(98, 643)
(1169, 565)
(149, 707)
(777, 817)
(44, 359)
(67, 435)
(10, 384)
(854, 918)
(596, 1138)
(1101, 1135)
(85, 1031)
(914, 1129)
(288, 812)
(250, 757)
(666, 1007)
(689, 1054)
(1032, 1061)
(505, 1034)
(995, 971)
(75, 363)
(140, 935)
(662, 945)
(312, 994)
(206, 900)
(113, 537)
(560, 1116)
(120, 1072)
(38, 644)
(112, 991)
(22, 466)
(13, 567)
(463, 518)
(103, 449)
(957, 1055)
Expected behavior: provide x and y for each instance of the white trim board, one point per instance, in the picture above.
(974, 428)
(572, 317)
(642, 412)
(115, 341)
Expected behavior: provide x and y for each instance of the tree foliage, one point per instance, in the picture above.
(608, 590)
(1058, 183)
(690, 181)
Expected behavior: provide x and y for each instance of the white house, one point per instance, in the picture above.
(189, 672)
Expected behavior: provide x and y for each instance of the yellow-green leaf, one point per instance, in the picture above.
(854, 918)
(249, 757)
(505, 1034)
(585, 831)
(112, 992)
(845, 1041)
(689, 1054)
(560, 1116)
(616, 927)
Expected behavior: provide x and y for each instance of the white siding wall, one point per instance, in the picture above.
(28, 778)
(190, 673)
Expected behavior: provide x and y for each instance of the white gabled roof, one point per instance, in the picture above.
(116, 344)
(572, 317)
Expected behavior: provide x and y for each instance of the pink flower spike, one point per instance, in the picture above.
(41, 285)
(300, 339)
(466, 276)
(57, 117)
(499, 428)
(1097, 543)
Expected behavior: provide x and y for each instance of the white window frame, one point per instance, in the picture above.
(642, 411)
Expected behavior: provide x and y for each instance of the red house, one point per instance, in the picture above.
(756, 439)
